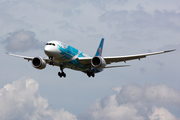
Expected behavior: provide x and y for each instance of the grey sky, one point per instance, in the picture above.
(129, 27)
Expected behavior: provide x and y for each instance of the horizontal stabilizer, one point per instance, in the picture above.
(117, 66)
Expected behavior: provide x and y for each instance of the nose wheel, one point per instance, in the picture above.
(51, 63)
(61, 74)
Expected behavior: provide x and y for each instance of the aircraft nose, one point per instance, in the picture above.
(47, 50)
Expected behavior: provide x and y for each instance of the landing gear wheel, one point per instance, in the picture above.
(89, 74)
(63, 74)
(60, 75)
(92, 74)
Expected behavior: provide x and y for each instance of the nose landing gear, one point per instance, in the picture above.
(51, 63)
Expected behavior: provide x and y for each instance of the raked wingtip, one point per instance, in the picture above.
(170, 50)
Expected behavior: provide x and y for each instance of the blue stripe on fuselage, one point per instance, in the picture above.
(67, 53)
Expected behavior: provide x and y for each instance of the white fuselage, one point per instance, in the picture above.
(67, 56)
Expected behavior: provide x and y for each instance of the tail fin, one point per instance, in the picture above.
(100, 48)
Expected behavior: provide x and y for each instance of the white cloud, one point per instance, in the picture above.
(21, 100)
(133, 102)
(22, 41)
(162, 94)
(161, 114)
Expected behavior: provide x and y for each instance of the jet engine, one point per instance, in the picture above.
(98, 62)
(38, 63)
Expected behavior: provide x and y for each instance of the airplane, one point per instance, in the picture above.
(65, 56)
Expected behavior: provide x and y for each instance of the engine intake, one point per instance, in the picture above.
(98, 62)
(38, 63)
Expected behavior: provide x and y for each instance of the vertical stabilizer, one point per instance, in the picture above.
(100, 48)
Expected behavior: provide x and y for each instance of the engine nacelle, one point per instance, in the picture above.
(38, 63)
(98, 62)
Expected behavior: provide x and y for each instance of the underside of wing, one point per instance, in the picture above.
(85, 60)
(112, 59)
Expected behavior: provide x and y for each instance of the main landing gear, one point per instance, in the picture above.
(90, 73)
(61, 74)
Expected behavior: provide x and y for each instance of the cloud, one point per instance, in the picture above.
(132, 102)
(22, 41)
(21, 100)
(161, 114)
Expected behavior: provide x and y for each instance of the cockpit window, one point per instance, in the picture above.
(50, 44)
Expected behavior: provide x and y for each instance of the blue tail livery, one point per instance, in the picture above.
(100, 48)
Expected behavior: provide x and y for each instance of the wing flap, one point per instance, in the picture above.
(117, 66)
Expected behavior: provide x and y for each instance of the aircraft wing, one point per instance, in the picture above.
(109, 60)
(27, 58)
